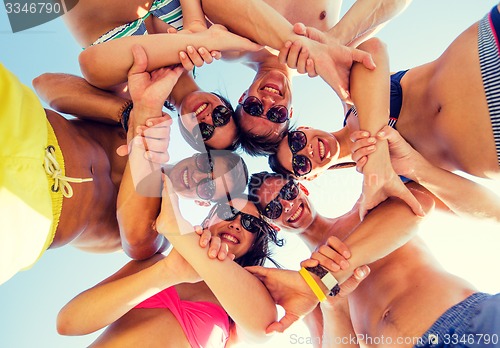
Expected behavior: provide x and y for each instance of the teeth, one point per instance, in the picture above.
(185, 178)
(229, 238)
(272, 90)
(200, 109)
(321, 149)
(296, 215)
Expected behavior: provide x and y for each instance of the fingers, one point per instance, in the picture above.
(223, 252)
(309, 263)
(140, 60)
(390, 134)
(258, 271)
(185, 61)
(213, 250)
(353, 282)
(412, 202)
(205, 237)
(122, 150)
(363, 57)
(282, 56)
(339, 246)
(330, 258)
(300, 29)
(360, 164)
(311, 68)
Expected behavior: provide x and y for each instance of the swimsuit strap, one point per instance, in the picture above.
(53, 169)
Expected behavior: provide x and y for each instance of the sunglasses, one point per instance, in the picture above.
(288, 192)
(220, 117)
(205, 189)
(301, 165)
(254, 107)
(249, 222)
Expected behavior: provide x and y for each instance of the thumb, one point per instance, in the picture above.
(284, 323)
(412, 202)
(300, 29)
(140, 60)
(390, 134)
(363, 57)
(257, 271)
(122, 150)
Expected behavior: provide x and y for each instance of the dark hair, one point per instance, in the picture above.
(232, 160)
(277, 167)
(259, 252)
(257, 145)
(201, 146)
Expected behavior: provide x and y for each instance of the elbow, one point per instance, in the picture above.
(140, 244)
(66, 323)
(374, 46)
(87, 60)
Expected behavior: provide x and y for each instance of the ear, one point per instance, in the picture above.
(290, 113)
(243, 96)
(202, 203)
(276, 228)
(304, 189)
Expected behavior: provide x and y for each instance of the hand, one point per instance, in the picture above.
(333, 256)
(153, 139)
(347, 287)
(378, 187)
(192, 57)
(330, 59)
(217, 248)
(288, 290)
(170, 220)
(404, 158)
(149, 90)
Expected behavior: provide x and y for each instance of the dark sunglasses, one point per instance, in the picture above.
(301, 165)
(249, 222)
(205, 189)
(221, 116)
(288, 192)
(254, 107)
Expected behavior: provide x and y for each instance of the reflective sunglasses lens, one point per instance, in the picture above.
(250, 223)
(278, 114)
(224, 212)
(203, 163)
(253, 106)
(205, 189)
(290, 191)
(207, 131)
(297, 141)
(301, 165)
(273, 210)
(221, 116)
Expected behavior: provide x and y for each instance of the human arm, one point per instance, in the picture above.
(138, 201)
(256, 311)
(73, 95)
(193, 17)
(107, 64)
(107, 301)
(370, 93)
(472, 199)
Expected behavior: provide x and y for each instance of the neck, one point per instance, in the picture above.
(184, 86)
(317, 232)
(344, 142)
(270, 62)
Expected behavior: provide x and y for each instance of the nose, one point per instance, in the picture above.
(206, 116)
(268, 101)
(199, 176)
(287, 205)
(235, 224)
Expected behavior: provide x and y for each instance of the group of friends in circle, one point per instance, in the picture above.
(102, 181)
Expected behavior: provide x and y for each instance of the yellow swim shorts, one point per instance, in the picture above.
(29, 210)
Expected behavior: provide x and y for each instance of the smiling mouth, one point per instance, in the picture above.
(185, 179)
(229, 238)
(298, 213)
(321, 149)
(200, 109)
(272, 89)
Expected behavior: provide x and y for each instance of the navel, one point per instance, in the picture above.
(322, 15)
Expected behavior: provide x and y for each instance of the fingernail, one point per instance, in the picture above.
(222, 255)
(201, 50)
(361, 273)
(365, 134)
(346, 254)
(190, 49)
(381, 134)
(334, 266)
(183, 55)
(371, 147)
(149, 123)
(371, 140)
(213, 253)
(344, 264)
(214, 54)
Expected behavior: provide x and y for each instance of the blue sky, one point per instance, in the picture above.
(30, 301)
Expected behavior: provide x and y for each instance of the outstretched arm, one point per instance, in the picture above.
(364, 19)
(73, 95)
(107, 64)
(106, 302)
(370, 93)
(472, 199)
(251, 315)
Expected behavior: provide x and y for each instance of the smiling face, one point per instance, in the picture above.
(232, 232)
(271, 88)
(297, 214)
(197, 108)
(187, 176)
(321, 149)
